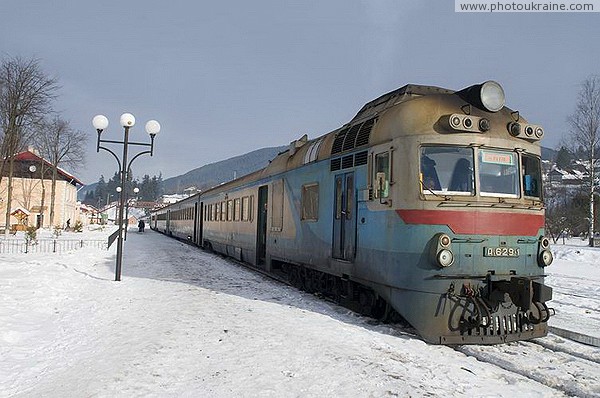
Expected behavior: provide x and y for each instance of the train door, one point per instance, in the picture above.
(261, 222)
(344, 217)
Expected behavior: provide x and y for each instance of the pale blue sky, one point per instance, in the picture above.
(224, 78)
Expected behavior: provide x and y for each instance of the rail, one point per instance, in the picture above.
(15, 246)
(578, 337)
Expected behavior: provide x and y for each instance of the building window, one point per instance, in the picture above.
(310, 202)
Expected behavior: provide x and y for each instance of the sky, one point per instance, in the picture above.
(225, 78)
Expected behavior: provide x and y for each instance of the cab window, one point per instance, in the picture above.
(447, 170)
(532, 176)
(498, 173)
(382, 175)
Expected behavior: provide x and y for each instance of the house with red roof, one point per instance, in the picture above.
(31, 191)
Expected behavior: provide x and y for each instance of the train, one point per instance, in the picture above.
(427, 207)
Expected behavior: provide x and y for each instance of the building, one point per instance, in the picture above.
(31, 192)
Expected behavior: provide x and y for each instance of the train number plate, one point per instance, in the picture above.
(502, 251)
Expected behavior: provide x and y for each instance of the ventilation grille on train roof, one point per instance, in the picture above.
(353, 137)
(349, 161)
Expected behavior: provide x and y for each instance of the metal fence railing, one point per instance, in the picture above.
(13, 246)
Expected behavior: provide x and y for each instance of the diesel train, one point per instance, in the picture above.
(428, 204)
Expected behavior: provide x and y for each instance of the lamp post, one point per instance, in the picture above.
(100, 122)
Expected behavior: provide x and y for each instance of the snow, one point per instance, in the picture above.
(575, 278)
(184, 322)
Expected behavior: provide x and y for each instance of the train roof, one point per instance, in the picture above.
(405, 93)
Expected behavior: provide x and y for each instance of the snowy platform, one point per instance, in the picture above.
(183, 322)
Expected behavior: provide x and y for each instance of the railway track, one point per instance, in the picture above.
(565, 361)
(558, 362)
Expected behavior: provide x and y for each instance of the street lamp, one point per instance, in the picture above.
(127, 120)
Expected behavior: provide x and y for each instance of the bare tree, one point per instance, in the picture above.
(62, 146)
(585, 122)
(26, 94)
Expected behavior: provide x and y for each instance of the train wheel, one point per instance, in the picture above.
(295, 278)
(380, 310)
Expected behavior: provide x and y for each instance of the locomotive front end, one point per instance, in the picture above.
(478, 221)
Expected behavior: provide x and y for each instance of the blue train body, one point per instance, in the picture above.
(428, 204)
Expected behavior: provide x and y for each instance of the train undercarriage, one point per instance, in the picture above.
(495, 310)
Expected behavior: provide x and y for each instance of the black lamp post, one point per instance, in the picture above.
(100, 122)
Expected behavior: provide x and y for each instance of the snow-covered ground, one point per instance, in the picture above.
(183, 322)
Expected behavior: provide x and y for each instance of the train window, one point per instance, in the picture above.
(447, 170)
(532, 176)
(245, 208)
(382, 175)
(277, 206)
(223, 211)
(310, 202)
(215, 212)
(236, 209)
(229, 210)
(349, 195)
(251, 209)
(498, 173)
(338, 197)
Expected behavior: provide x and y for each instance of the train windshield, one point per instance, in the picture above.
(449, 170)
(498, 173)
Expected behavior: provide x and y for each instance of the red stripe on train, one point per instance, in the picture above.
(477, 222)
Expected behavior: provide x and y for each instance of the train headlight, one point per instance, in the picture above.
(444, 241)
(528, 131)
(484, 125)
(492, 96)
(544, 242)
(455, 121)
(441, 250)
(514, 129)
(539, 132)
(545, 258)
(445, 258)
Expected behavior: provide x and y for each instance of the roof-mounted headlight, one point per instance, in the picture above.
(492, 96)
(488, 96)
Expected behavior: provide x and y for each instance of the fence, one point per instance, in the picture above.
(12, 246)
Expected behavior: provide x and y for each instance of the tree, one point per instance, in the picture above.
(585, 122)
(62, 146)
(100, 192)
(26, 94)
(563, 158)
